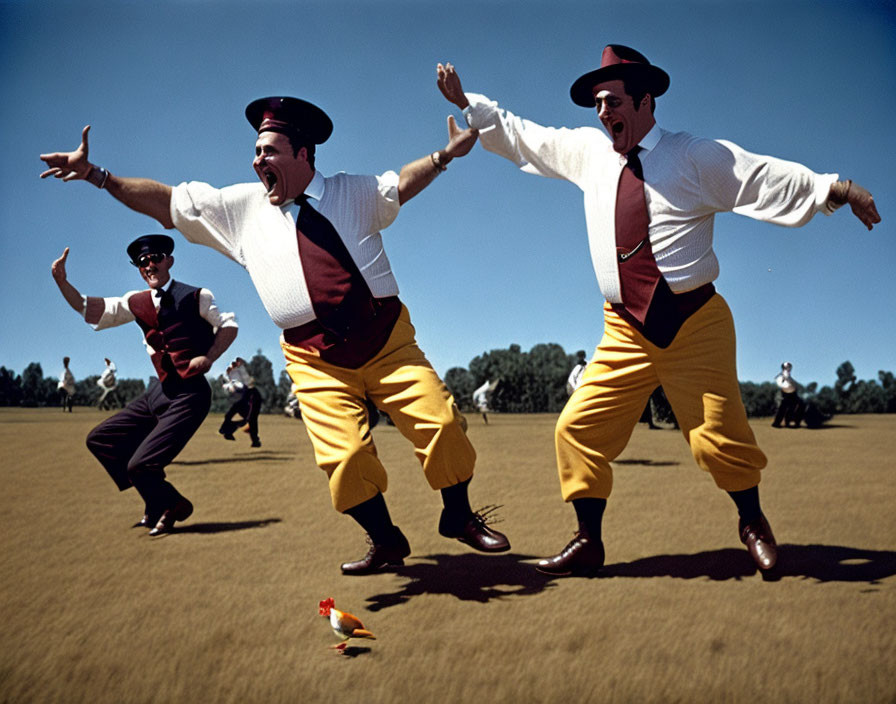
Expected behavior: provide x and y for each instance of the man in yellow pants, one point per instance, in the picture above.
(313, 249)
(650, 199)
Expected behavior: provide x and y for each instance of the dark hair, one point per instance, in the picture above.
(296, 141)
(637, 89)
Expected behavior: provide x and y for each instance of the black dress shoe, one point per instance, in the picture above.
(380, 555)
(181, 511)
(582, 557)
(757, 536)
(473, 531)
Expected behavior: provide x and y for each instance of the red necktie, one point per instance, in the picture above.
(638, 272)
(339, 294)
(351, 325)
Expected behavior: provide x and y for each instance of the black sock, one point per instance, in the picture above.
(747, 502)
(456, 499)
(590, 513)
(373, 516)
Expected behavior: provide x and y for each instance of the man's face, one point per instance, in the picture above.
(154, 269)
(284, 176)
(616, 111)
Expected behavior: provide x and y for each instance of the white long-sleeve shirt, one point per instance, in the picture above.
(240, 222)
(687, 180)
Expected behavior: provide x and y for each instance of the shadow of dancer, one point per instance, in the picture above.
(469, 577)
(824, 563)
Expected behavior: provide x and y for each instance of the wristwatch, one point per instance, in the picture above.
(437, 161)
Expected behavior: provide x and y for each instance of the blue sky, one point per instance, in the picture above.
(487, 256)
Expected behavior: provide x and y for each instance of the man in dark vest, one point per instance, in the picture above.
(313, 248)
(184, 333)
(650, 199)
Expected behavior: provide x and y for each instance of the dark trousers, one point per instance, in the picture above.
(790, 411)
(248, 406)
(137, 443)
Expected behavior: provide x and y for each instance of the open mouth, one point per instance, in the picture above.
(617, 127)
(270, 180)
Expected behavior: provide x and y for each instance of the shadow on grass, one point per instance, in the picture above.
(469, 577)
(648, 463)
(825, 563)
(220, 527)
(242, 457)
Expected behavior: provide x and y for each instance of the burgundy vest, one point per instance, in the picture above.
(176, 332)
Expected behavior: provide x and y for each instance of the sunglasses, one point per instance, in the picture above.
(147, 259)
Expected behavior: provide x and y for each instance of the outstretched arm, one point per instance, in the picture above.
(69, 292)
(417, 175)
(859, 199)
(141, 194)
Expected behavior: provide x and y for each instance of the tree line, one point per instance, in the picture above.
(530, 382)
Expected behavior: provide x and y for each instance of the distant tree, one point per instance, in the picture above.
(846, 378)
(10, 388)
(36, 390)
(888, 384)
(128, 390)
(760, 400)
(284, 390)
(461, 384)
(549, 368)
(865, 397)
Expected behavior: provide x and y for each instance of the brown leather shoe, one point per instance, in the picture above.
(473, 531)
(181, 511)
(581, 557)
(380, 556)
(757, 536)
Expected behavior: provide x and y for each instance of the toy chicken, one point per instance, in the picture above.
(344, 625)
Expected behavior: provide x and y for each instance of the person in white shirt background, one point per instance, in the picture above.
(790, 410)
(66, 386)
(240, 384)
(107, 382)
(650, 197)
(575, 376)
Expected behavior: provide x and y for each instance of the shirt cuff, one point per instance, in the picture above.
(823, 183)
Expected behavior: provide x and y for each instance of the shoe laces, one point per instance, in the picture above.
(486, 515)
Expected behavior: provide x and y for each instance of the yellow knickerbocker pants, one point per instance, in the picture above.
(698, 374)
(401, 382)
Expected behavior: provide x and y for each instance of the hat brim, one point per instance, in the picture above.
(655, 79)
(150, 244)
(316, 125)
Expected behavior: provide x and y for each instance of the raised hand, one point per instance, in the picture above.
(449, 84)
(460, 142)
(69, 165)
(58, 267)
(862, 204)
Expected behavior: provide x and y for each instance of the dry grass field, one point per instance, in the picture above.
(225, 609)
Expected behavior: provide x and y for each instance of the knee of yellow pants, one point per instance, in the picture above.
(584, 470)
(447, 455)
(724, 445)
(359, 476)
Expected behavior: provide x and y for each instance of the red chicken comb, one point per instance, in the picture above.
(325, 606)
